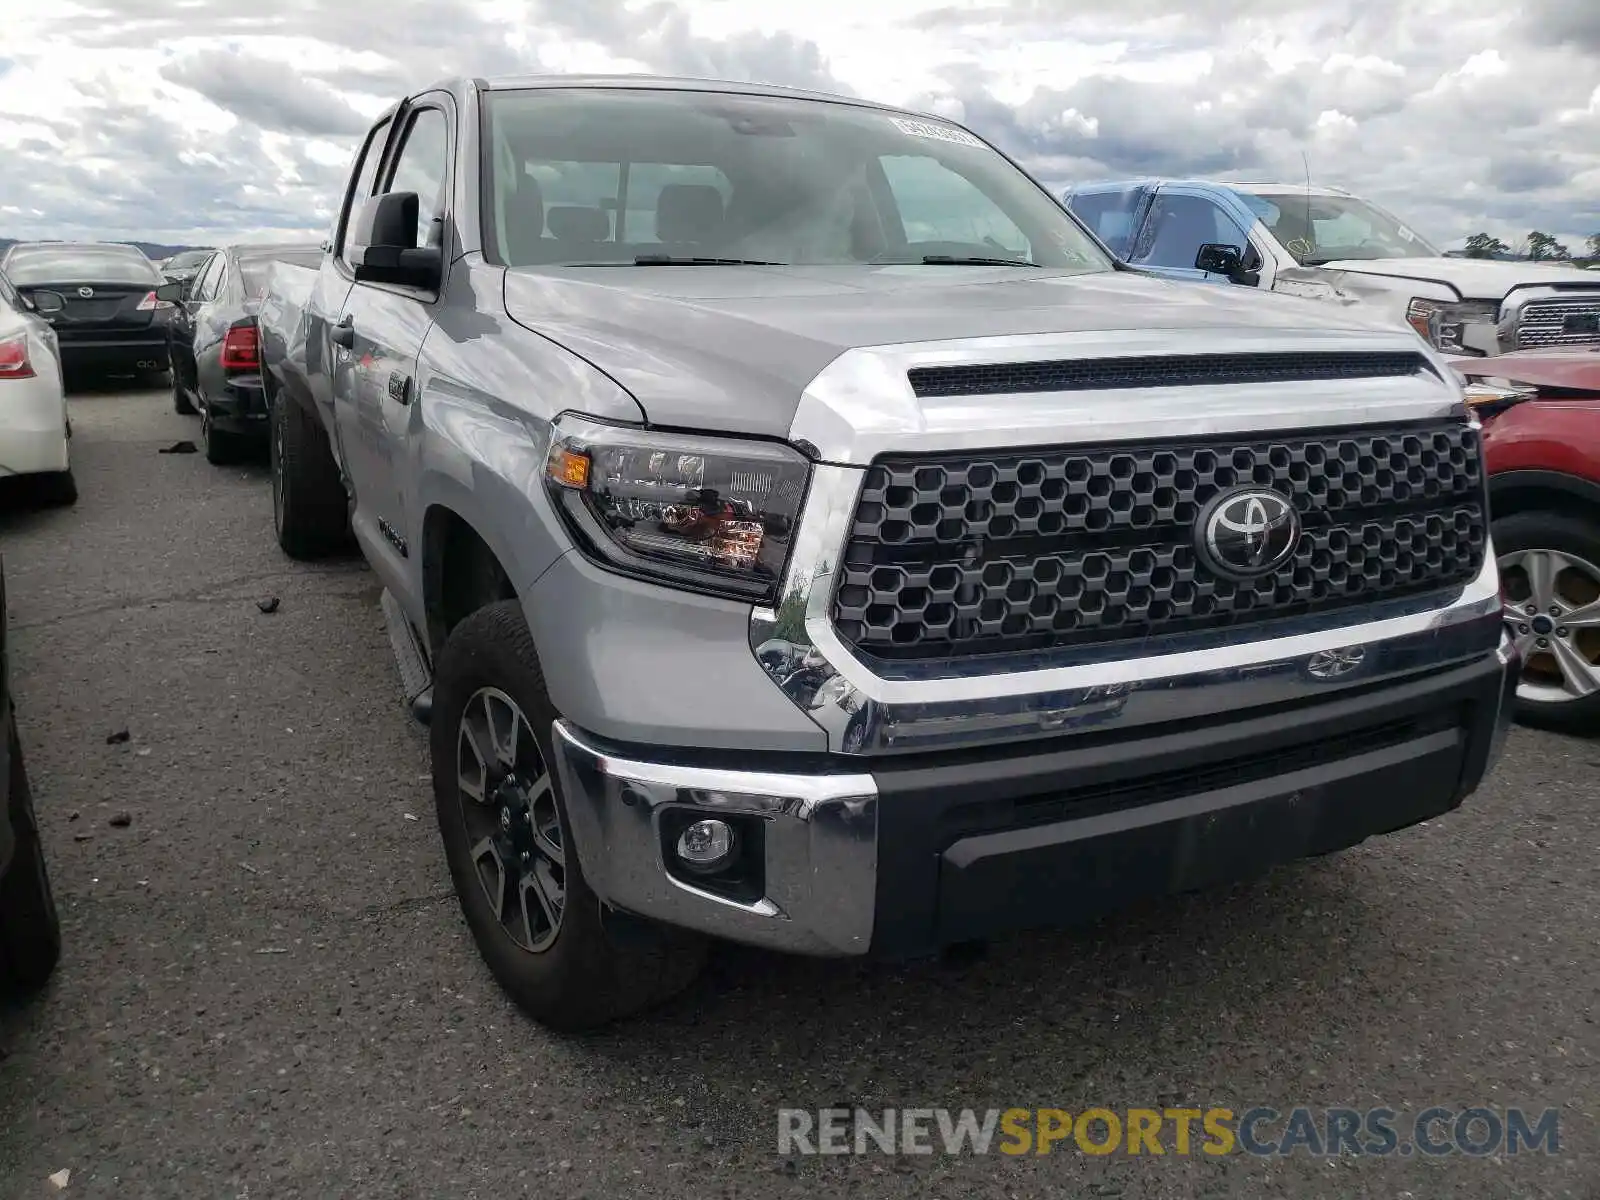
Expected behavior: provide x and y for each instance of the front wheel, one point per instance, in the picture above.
(1550, 589)
(503, 819)
(181, 404)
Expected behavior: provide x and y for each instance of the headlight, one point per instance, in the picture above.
(706, 513)
(1444, 325)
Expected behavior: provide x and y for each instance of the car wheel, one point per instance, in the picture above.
(503, 819)
(310, 510)
(1550, 589)
(58, 489)
(181, 404)
(30, 930)
(222, 447)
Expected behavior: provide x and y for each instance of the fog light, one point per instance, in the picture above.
(706, 845)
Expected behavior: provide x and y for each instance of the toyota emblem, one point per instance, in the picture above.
(1336, 664)
(1247, 533)
(86, 292)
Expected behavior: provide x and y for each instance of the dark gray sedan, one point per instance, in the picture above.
(215, 352)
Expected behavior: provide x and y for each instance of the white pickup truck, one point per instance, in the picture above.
(1327, 244)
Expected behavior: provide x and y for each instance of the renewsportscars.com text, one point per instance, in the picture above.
(1260, 1131)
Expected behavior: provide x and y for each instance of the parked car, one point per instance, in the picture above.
(30, 932)
(213, 346)
(1328, 244)
(795, 529)
(183, 266)
(1541, 416)
(35, 431)
(112, 321)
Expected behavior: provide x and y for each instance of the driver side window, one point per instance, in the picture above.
(938, 205)
(1178, 225)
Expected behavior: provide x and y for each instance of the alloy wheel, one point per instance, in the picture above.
(1551, 604)
(508, 807)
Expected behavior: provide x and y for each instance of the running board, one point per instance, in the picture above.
(415, 677)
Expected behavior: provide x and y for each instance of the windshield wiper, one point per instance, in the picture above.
(668, 260)
(961, 260)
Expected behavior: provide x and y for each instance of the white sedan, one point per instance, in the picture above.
(35, 435)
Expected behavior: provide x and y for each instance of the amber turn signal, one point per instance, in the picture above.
(568, 467)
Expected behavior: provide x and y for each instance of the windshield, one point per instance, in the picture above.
(256, 269)
(602, 177)
(186, 259)
(29, 266)
(1319, 229)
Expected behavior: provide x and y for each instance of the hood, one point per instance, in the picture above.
(1558, 368)
(1472, 278)
(733, 348)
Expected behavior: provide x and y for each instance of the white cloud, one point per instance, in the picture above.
(228, 118)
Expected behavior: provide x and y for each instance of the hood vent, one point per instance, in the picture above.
(1185, 370)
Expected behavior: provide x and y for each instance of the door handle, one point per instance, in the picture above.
(344, 333)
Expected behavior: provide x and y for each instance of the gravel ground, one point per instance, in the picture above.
(268, 990)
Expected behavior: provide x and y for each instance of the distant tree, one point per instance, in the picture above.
(1594, 245)
(1541, 246)
(1482, 245)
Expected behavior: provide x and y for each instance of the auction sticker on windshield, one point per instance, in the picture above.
(939, 133)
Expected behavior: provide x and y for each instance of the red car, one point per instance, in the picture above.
(1541, 416)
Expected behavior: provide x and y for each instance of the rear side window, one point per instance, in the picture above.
(1110, 215)
(423, 167)
(366, 175)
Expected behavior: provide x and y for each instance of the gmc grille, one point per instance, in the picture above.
(1566, 321)
(953, 557)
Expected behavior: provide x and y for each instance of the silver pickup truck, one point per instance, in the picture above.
(795, 529)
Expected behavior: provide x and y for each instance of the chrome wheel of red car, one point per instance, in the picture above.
(1551, 601)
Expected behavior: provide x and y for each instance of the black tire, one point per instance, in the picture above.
(30, 929)
(59, 489)
(181, 404)
(222, 447)
(586, 977)
(1575, 537)
(310, 510)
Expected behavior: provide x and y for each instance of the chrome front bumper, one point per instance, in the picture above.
(891, 862)
(821, 835)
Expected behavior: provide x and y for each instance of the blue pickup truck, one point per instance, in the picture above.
(1327, 244)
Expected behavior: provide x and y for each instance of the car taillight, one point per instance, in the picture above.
(241, 349)
(150, 303)
(14, 362)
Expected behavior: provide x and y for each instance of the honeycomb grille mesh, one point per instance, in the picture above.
(952, 557)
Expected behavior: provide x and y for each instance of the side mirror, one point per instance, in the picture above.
(47, 302)
(173, 293)
(1217, 258)
(384, 238)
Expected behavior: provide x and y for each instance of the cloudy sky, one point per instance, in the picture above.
(204, 120)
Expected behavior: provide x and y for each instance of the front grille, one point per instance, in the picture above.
(952, 557)
(1179, 370)
(1564, 321)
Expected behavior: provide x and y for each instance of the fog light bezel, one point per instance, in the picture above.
(740, 877)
